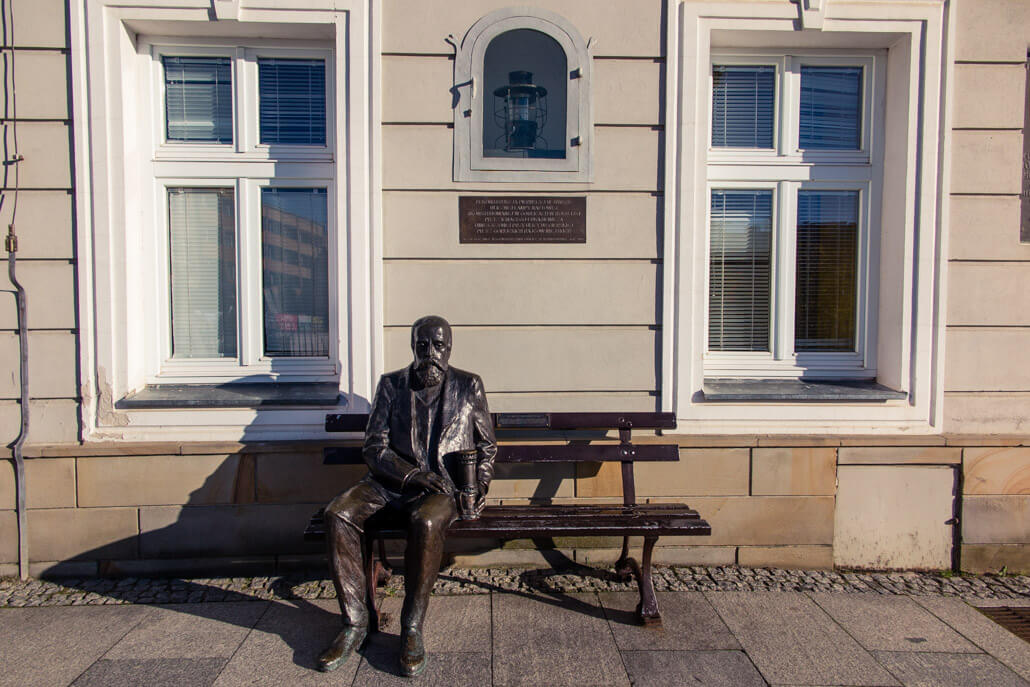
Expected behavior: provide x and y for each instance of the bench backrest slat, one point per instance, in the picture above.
(355, 422)
(543, 453)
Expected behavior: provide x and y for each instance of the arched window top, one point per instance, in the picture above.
(522, 76)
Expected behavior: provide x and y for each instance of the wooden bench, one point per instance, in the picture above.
(630, 519)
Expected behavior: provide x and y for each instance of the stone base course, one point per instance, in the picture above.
(458, 581)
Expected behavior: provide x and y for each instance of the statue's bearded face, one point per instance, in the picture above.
(431, 345)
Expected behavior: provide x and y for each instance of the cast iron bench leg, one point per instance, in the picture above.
(625, 565)
(647, 611)
(377, 573)
(383, 571)
(371, 577)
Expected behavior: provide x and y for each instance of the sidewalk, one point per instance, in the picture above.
(517, 628)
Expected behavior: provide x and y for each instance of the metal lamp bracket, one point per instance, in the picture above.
(812, 13)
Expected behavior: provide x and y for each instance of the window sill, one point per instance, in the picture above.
(794, 390)
(163, 396)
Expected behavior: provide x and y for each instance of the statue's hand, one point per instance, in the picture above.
(480, 505)
(428, 481)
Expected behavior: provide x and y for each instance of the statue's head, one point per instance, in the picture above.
(431, 345)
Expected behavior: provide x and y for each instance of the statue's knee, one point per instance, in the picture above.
(422, 524)
(342, 511)
(336, 507)
(432, 519)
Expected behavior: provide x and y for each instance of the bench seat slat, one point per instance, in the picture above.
(573, 520)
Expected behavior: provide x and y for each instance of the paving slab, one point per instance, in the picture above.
(379, 666)
(948, 670)
(190, 631)
(793, 641)
(982, 631)
(284, 646)
(701, 668)
(52, 646)
(453, 623)
(559, 639)
(689, 623)
(891, 623)
(152, 672)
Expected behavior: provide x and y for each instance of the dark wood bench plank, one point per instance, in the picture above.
(510, 522)
(355, 422)
(543, 453)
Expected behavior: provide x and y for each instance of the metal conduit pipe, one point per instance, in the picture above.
(16, 448)
(10, 162)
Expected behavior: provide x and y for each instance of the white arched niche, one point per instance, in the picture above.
(535, 41)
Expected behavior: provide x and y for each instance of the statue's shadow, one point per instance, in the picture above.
(304, 625)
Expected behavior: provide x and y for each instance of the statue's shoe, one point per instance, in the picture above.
(342, 647)
(413, 653)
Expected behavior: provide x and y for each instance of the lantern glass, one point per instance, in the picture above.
(525, 98)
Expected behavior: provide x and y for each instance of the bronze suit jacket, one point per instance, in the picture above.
(391, 449)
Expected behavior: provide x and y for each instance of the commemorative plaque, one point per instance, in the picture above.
(522, 219)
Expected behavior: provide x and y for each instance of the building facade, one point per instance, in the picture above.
(217, 192)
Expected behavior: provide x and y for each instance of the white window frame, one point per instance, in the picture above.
(469, 162)
(904, 343)
(123, 166)
(787, 170)
(246, 166)
(246, 133)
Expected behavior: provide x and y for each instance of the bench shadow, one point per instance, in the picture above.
(293, 592)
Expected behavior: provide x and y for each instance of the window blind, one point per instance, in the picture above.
(827, 259)
(202, 239)
(292, 101)
(739, 270)
(831, 108)
(198, 99)
(295, 271)
(743, 106)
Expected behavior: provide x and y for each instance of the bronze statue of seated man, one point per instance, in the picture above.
(421, 417)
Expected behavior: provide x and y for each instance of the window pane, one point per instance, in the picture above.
(526, 77)
(827, 254)
(198, 99)
(295, 271)
(831, 108)
(743, 108)
(202, 240)
(292, 94)
(739, 288)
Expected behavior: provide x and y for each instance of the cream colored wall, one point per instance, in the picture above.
(548, 327)
(987, 351)
(46, 254)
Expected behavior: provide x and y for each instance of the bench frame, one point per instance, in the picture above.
(541, 520)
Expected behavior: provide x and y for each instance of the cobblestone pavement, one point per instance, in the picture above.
(456, 581)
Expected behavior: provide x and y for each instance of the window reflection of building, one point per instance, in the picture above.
(295, 272)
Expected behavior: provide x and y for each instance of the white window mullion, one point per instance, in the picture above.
(784, 271)
(246, 101)
(250, 272)
(787, 108)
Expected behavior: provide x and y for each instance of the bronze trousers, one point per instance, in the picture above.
(427, 517)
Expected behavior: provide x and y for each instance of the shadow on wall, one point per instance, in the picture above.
(258, 531)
